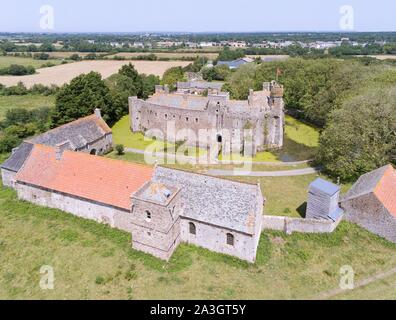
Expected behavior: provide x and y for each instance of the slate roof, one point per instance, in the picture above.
(380, 182)
(235, 63)
(225, 203)
(79, 132)
(179, 101)
(200, 85)
(99, 179)
(325, 186)
(18, 157)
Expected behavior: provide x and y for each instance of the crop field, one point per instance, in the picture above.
(31, 101)
(6, 61)
(167, 55)
(62, 74)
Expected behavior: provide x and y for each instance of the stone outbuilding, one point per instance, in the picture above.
(90, 134)
(371, 202)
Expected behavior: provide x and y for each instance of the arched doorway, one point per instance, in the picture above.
(93, 151)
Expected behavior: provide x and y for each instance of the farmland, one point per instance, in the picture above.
(31, 101)
(6, 61)
(62, 74)
(166, 55)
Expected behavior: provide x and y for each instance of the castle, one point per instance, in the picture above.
(233, 126)
(160, 207)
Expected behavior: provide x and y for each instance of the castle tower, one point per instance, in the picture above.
(275, 122)
(155, 219)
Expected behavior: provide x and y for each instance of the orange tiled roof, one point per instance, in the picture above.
(385, 190)
(79, 174)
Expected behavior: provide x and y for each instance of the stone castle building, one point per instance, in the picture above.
(160, 207)
(227, 120)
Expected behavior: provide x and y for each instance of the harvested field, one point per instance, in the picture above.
(62, 74)
(166, 55)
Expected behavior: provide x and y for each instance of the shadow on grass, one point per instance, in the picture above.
(294, 151)
(302, 210)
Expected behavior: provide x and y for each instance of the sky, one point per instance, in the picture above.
(196, 16)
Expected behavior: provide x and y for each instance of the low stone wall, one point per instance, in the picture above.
(290, 225)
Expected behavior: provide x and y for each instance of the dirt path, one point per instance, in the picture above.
(62, 74)
(332, 293)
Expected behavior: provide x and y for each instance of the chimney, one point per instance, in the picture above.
(14, 150)
(98, 114)
(250, 98)
(60, 148)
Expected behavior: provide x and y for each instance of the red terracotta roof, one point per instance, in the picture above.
(79, 174)
(385, 190)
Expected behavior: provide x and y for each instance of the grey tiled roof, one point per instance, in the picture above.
(179, 101)
(366, 183)
(200, 85)
(220, 202)
(78, 133)
(18, 158)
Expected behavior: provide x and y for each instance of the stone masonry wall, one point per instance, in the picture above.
(290, 225)
(79, 207)
(367, 212)
(214, 238)
(8, 178)
(101, 146)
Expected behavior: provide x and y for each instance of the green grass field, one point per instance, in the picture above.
(26, 101)
(6, 61)
(93, 261)
(301, 141)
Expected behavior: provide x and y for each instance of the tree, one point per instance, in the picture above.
(228, 55)
(361, 135)
(172, 76)
(120, 149)
(80, 98)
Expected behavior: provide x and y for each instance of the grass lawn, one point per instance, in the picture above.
(26, 101)
(6, 61)
(286, 196)
(93, 261)
(378, 290)
(301, 141)
(122, 134)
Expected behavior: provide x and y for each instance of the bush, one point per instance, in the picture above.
(17, 70)
(75, 57)
(120, 149)
(41, 56)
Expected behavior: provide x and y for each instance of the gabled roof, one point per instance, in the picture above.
(229, 204)
(381, 182)
(18, 157)
(385, 190)
(99, 179)
(325, 186)
(78, 132)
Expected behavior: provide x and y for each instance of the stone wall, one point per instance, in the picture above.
(8, 178)
(266, 122)
(290, 225)
(100, 146)
(79, 207)
(367, 212)
(159, 234)
(214, 238)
